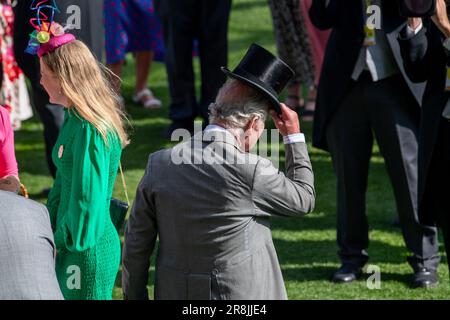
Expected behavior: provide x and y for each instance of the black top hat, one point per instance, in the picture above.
(417, 8)
(263, 71)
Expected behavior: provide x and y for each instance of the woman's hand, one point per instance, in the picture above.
(440, 19)
(10, 183)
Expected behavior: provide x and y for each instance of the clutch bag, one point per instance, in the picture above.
(118, 210)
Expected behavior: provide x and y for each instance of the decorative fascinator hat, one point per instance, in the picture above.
(48, 35)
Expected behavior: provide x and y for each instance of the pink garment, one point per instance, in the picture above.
(317, 38)
(8, 163)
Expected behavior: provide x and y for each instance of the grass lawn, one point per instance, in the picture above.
(306, 247)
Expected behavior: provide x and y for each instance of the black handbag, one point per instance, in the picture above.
(417, 8)
(119, 209)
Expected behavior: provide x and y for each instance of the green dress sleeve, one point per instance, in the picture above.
(84, 222)
(53, 200)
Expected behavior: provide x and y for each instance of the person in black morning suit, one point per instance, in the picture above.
(183, 22)
(426, 58)
(364, 94)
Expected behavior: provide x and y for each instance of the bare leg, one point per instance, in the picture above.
(116, 68)
(294, 99)
(310, 105)
(312, 96)
(143, 65)
(142, 94)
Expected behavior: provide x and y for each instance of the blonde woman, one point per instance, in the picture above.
(86, 155)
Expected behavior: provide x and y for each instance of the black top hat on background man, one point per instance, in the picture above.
(264, 72)
(417, 8)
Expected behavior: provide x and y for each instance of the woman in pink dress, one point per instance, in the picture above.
(317, 38)
(318, 42)
(9, 173)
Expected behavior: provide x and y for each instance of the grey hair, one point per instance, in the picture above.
(237, 104)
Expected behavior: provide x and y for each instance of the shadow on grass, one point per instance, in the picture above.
(325, 251)
(249, 4)
(324, 273)
(318, 273)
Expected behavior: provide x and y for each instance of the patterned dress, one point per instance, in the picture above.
(88, 245)
(292, 39)
(131, 26)
(13, 90)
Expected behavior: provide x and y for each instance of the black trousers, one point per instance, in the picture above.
(387, 111)
(52, 116)
(437, 195)
(183, 21)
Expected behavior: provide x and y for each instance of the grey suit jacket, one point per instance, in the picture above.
(27, 251)
(213, 220)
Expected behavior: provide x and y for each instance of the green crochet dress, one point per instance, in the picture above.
(87, 243)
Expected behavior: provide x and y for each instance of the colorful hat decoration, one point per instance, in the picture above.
(48, 35)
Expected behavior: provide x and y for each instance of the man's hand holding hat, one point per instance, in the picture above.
(288, 122)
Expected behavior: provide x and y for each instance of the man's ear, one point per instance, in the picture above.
(253, 124)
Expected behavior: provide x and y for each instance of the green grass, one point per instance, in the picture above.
(306, 247)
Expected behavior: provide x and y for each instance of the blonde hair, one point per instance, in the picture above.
(84, 81)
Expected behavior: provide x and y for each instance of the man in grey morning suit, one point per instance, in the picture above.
(27, 252)
(210, 202)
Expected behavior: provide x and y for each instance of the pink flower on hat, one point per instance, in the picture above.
(56, 29)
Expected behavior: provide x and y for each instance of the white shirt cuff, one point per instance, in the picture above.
(410, 32)
(294, 138)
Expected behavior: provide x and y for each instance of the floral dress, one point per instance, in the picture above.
(13, 93)
(131, 26)
(292, 39)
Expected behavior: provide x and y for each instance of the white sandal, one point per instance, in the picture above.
(150, 103)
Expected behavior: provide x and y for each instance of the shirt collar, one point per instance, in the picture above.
(215, 127)
(216, 133)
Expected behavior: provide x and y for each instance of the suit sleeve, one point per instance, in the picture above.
(84, 222)
(140, 239)
(54, 199)
(290, 195)
(324, 13)
(417, 54)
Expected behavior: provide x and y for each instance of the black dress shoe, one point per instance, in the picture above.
(425, 278)
(347, 273)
